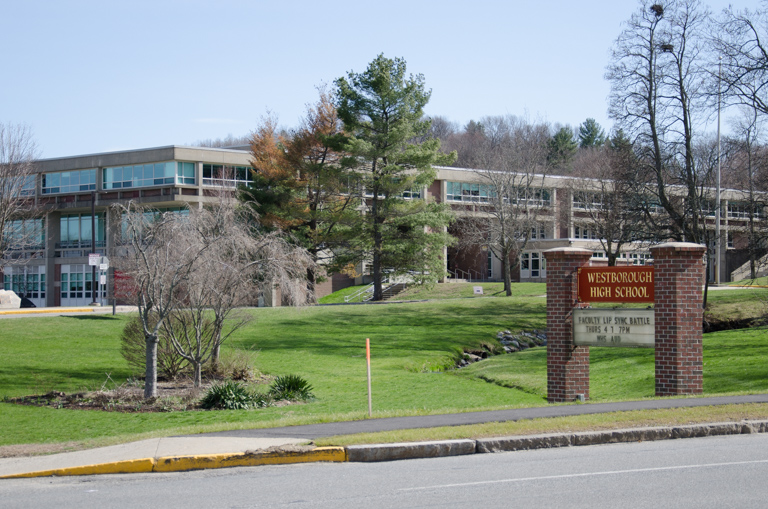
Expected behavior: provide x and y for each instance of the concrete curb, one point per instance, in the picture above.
(196, 462)
(401, 451)
(31, 311)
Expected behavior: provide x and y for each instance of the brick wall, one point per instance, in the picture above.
(678, 279)
(567, 366)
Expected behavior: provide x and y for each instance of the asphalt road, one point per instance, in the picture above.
(713, 472)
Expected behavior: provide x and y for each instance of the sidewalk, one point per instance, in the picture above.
(64, 311)
(286, 445)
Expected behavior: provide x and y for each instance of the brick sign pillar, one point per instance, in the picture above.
(678, 280)
(567, 365)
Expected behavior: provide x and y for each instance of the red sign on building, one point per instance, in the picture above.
(615, 284)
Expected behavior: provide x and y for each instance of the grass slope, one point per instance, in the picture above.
(411, 344)
(326, 345)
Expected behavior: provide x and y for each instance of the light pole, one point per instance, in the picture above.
(717, 210)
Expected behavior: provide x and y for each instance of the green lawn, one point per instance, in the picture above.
(412, 345)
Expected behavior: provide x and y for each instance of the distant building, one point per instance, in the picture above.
(56, 270)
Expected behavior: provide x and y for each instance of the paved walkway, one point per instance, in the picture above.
(313, 431)
(283, 445)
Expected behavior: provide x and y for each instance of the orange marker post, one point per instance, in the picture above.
(368, 360)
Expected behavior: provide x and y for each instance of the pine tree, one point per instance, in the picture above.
(382, 112)
(591, 134)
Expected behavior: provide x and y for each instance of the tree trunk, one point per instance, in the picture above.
(216, 351)
(150, 375)
(378, 293)
(507, 277)
(198, 376)
(312, 281)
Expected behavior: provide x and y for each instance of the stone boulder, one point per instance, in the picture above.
(9, 300)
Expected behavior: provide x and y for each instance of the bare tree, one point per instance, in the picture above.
(191, 271)
(512, 193)
(223, 278)
(739, 42)
(657, 75)
(229, 141)
(605, 201)
(745, 161)
(162, 249)
(18, 215)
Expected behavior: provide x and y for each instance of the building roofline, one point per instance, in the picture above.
(137, 150)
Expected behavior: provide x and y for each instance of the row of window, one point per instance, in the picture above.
(736, 209)
(481, 193)
(634, 258)
(26, 234)
(27, 284)
(139, 175)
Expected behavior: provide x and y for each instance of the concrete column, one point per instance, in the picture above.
(678, 279)
(567, 365)
(52, 280)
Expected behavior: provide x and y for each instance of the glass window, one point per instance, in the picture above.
(69, 181)
(185, 173)
(75, 230)
(28, 186)
(535, 267)
(26, 233)
(225, 176)
(141, 175)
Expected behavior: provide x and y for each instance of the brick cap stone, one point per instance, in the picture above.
(679, 246)
(562, 252)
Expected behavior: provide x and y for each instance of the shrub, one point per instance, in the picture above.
(291, 387)
(133, 348)
(237, 365)
(229, 395)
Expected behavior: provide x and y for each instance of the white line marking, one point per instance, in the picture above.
(587, 474)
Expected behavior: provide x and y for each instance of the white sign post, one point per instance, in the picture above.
(103, 264)
(614, 327)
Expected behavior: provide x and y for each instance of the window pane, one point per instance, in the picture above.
(85, 229)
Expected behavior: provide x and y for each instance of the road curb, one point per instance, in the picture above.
(196, 462)
(521, 443)
(32, 311)
(411, 450)
(401, 451)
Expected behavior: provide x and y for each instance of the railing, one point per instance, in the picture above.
(76, 249)
(364, 294)
(469, 275)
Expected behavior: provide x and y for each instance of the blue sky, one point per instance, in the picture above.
(95, 76)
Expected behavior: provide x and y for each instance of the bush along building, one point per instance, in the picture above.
(76, 196)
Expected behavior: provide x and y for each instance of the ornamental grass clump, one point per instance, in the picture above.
(292, 388)
(229, 395)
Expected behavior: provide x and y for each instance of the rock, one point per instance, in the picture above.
(9, 300)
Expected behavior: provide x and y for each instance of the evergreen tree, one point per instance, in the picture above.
(382, 112)
(562, 148)
(591, 134)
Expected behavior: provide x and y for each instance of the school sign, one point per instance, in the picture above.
(673, 326)
(615, 284)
